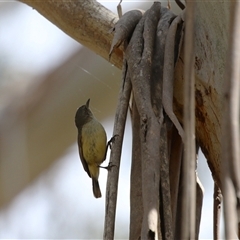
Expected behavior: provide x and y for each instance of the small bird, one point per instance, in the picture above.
(92, 144)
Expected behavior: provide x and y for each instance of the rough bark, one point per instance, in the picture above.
(210, 58)
(189, 163)
(136, 205)
(139, 56)
(230, 125)
(88, 22)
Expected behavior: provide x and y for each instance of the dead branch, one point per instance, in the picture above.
(217, 205)
(166, 217)
(230, 139)
(199, 204)
(115, 157)
(180, 4)
(189, 163)
(88, 22)
(176, 147)
(136, 205)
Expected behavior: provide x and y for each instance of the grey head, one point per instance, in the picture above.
(83, 115)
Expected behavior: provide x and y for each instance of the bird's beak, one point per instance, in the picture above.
(87, 103)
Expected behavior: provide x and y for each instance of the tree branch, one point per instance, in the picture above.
(189, 162)
(88, 22)
(115, 157)
(230, 137)
(217, 205)
(136, 204)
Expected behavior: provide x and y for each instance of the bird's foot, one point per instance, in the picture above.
(109, 143)
(109, 167)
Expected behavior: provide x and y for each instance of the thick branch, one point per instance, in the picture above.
(88, 22)
(139, 55)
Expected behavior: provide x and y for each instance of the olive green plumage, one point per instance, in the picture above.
(92, 144)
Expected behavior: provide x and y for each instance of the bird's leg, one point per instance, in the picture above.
(108, 167)
(109, 144)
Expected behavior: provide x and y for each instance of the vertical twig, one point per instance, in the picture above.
(199, 197)
(230, 141)
(199, 203)
(166, 218)
(174, 171)
(119, 9)
(217, 204)
(136, 205)
(189, 164)
(115, 157)
(180, 4)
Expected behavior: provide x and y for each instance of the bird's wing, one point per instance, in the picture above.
(84, 163)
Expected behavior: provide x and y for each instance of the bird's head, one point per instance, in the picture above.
(83, 115)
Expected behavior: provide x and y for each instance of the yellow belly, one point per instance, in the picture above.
(94, 141)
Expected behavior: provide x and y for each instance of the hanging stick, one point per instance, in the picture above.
(230, 140)
(115, 157)
(199, 204)
(136, 205)
(176, 150)
(168, 74)
(188, 224)
(217, 205)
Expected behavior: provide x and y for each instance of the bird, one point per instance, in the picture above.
(92, 144)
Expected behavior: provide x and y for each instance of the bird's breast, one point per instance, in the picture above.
(94, 142)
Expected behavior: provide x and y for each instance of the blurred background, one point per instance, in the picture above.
(44, 77)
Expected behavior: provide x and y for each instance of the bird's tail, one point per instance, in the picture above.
(96, 188)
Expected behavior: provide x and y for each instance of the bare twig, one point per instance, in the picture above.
(165, 185)
(189, 165)
(217, 205)
(119, 9)
(199, 197)
(120, 119)
(174, 171)
(136, 205)
(169, 4)
(180, 4)
(113, 174)
(199, 203)
(230, 140)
